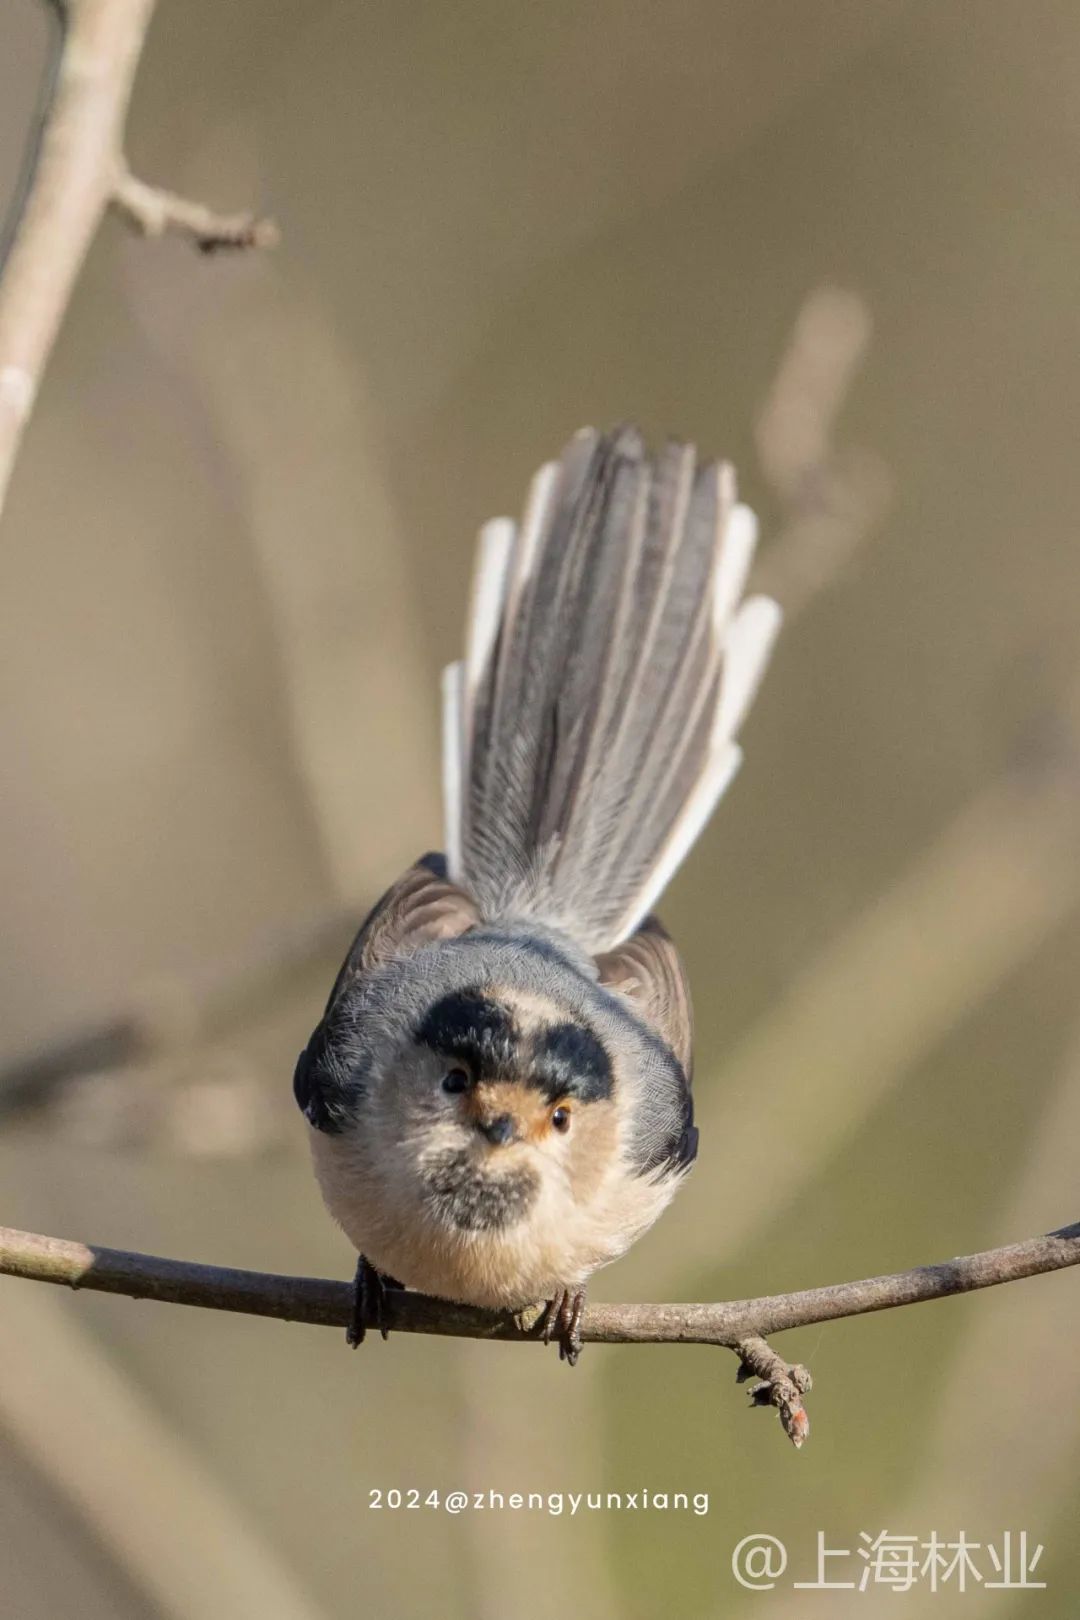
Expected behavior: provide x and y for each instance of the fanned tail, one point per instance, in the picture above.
(610, 661)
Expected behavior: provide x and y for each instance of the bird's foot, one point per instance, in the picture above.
(369, 1302)
(562, 1323)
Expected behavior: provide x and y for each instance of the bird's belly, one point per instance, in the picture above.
(530, 1256)
(506, 1269)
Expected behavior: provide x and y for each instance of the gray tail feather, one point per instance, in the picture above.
(610, 661)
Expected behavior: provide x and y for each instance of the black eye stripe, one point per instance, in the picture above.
(568, 1060)
(562, 1060)
(479, 1032)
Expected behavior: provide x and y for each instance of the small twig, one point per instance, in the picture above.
(739, 1325)
(154, 212)
(783, 1385)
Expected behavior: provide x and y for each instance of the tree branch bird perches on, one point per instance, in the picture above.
(740, 1325)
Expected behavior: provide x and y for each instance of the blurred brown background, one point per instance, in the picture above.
(234, 561)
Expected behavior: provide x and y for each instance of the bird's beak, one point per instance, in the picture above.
(494, 1109)
(499, 1129)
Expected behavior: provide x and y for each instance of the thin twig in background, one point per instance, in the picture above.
(737, 1325)
(154, 212)
(830, 499)
(79, 172)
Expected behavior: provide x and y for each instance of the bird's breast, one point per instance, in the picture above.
(500, 1238)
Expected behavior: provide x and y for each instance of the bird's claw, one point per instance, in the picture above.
(369, 1302)
(562, 1322)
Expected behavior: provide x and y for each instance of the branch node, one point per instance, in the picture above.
(783, 1385)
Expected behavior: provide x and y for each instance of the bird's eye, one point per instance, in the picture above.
(561, 1119)
(455, 1082)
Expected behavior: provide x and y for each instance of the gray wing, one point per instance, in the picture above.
(647, 972)
(647, 969)
(423, 905)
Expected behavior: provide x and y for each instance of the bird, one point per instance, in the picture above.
(499, 1092)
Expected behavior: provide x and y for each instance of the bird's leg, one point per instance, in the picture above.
(562, 1322)
(369, 1297)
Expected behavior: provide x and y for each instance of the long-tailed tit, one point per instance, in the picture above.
(499, 1089)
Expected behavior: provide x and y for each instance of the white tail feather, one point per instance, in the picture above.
(539, 505)
(453, 691)
(495, 545)
(737, 546)
(748, 644)
(717, 777)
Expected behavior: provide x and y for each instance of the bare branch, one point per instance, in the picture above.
(79, 171)
(740, 1325)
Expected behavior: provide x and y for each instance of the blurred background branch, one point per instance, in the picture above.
(828, 499)
(77, 170)
(1037, 1432)
(69, 1405)
(154, 211)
